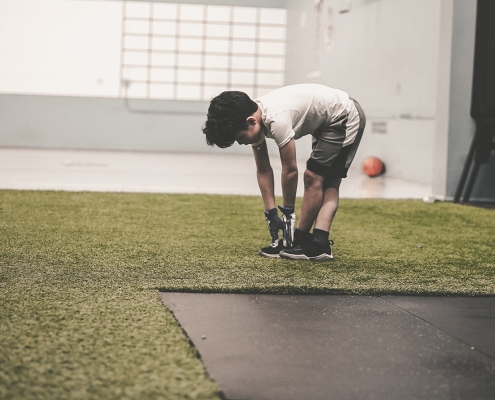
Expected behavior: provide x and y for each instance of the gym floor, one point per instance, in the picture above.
(155, 172)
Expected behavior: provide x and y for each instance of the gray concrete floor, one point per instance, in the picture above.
(120, 171)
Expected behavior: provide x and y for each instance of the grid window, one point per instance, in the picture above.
(194, 51)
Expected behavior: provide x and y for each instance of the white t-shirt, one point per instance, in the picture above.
(298, 110)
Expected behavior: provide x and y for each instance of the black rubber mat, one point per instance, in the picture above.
(342, 347)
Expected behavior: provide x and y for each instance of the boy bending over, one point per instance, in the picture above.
(336, 123)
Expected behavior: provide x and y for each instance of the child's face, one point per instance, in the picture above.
(252, 135)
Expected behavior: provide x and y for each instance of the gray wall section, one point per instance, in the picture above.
(100, 123)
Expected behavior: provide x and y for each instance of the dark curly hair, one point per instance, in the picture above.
(227, 115)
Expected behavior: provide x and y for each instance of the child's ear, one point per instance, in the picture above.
(251, 120)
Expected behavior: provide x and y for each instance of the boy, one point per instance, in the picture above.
(286, 114)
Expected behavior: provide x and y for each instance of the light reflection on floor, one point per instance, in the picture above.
(119, 171)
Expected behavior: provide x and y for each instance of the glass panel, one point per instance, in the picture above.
(242, 88)
(136, 42)
(244, 47)
(161, 91)
(242, 31)
(192, 12)
(218, 13)
(189, 60)
(217, 46)
(162, 74)
(246, 78)
(191, 45)
(191, 28)
(261, 91)
(269, 32)
(273, 16)
(211, 91)
(135, 58)
(165, 10)
(135, 74)
(190, 76)
(137, 90)
(245, 14)
(271, 63)
(239, 62)
(164, 28)
(216, 61)
(217, 30)
(159, 43)
(137, 9)
(163, 59)
(187, 92)
(272, 48)
(270, 79)
(220, 77)
(137, 27)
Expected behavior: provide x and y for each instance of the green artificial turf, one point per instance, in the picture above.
(79, 272)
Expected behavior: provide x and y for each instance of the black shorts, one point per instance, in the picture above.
(329, 156)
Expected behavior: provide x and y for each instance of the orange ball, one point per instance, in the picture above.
(373, 166)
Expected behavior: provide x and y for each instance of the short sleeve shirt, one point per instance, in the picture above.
(298, 110)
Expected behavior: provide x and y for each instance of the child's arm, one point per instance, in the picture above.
(264, 173)
(289, 173)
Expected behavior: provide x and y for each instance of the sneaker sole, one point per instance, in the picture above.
(321, 257)
(261, 253)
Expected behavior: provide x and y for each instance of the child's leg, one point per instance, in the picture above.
(330, 204)
(312, 200)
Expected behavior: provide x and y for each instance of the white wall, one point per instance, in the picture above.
(385, 56)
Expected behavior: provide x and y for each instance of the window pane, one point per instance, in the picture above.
(192, 12)
(159, 43)
(189, 76)
(220, 77)
(271, 63)
(161, 91)
(268, 32)
(245, 14)
(242, 31)
(191, 28)
(217, 46)
(272, 48)
(137, 90)
(187, 92)
(218, 13)
(244, 47)
(191, 45)
(162, 59)
(242, 88)
(142, 27)
(211, 91)
(137, 9)
(162, 74)
(164, 28)
(246, 78)
(135, 74)
(217, 30)
(165, 10)
(216, 61)
(135, 58)
(273, 16)
(136, 42)
(239, 62)
(270, 79)
(189, 60)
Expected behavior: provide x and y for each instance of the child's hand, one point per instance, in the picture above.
(289, 221)
(275, 224)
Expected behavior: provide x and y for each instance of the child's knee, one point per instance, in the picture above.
(312, 180)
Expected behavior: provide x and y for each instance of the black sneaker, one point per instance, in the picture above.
(309, 252)
(272, 251)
